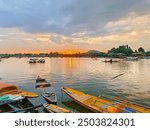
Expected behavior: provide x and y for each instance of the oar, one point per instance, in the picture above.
(117, 76)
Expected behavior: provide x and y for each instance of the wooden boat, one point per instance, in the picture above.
(10, 99)
(99, 104)
(132, 58)
(41, 61)
(55, 109)
(50, 98)
(110, 61)
(20, 106)
(41, 82)
(36, 60)
(32, 61)
(6, 89)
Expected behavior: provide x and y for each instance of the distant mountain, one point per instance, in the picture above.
(93, 52)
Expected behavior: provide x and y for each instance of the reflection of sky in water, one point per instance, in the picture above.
(85, 74)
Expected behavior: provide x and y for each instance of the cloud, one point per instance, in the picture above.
(78, 23)
(66, 17)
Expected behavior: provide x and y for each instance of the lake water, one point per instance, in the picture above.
(85, 74)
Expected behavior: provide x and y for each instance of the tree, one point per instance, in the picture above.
(148, 53)
(136, 51)
(141, 50)
(124, 49)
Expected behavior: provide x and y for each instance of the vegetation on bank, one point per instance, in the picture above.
(120, 52)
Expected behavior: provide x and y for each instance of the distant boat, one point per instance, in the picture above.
(55, 109)
(50, 98)
(32, 60)
(41, 61)
(110, 61)
(132, 58)
(102, 105)
(41, 82)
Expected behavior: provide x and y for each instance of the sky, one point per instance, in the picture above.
(55, 25)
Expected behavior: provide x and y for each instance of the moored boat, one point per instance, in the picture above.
(41, 82)
(6, 89)
(50, 98)
(39, 79)
(55, 109)
(10, 99)
(41, 61)
(132, 58)
(102, 105)
(34, 60)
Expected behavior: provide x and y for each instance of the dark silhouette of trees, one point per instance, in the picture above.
(141, 50)
(124, 49)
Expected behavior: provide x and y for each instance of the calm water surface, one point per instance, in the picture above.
(85, 74)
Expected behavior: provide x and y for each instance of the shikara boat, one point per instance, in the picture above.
(41, 83)
(19, 106)
(32, 61)
(6, 89)
(36, 60)
(50, 98)
(51, 108)
(6, 99)
(132, 58)
(103, 105)
(41, 61)
(110, 61)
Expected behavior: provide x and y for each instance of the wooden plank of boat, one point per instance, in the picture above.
(11, 89)
(55, 109)
(98, 104)
(21, 93)
(50, 98)
(43, 85)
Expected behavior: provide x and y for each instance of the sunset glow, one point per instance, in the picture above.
(69, 52)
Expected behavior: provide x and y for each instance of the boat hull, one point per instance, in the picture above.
(99, 104)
